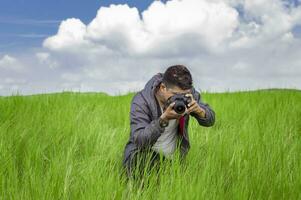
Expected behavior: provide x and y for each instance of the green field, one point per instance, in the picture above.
(70, 146)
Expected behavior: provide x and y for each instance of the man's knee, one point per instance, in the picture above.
(139, 162)
(129, 164)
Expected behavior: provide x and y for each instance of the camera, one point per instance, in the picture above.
(181, 101)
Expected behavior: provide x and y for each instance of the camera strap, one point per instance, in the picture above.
(181, 124)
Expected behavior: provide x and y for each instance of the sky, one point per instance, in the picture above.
(117, 46)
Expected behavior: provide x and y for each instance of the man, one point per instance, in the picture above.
(156, 129)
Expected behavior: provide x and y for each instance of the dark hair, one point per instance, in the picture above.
(177, 75)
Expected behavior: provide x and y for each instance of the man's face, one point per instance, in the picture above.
(168, 92)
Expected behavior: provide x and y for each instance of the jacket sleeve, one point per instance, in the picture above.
(144, 131)
(209, 119)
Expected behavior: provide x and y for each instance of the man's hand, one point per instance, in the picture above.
(193, 107)
(170, 113)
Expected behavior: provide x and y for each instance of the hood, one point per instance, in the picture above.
(149, 93)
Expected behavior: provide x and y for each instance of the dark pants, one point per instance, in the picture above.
(141, 163)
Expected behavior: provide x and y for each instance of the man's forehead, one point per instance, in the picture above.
(180, 91)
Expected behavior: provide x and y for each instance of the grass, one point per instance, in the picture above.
(70, 146)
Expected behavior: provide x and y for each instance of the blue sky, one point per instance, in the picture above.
(26, 23)
(55, 45)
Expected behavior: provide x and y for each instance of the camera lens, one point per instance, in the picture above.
(179, 107)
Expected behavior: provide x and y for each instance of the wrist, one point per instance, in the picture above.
(201, 112)
(163, 117)
(163, 121)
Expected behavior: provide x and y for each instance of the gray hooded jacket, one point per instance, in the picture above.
(144, 120)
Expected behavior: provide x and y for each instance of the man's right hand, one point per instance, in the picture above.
(170, 113)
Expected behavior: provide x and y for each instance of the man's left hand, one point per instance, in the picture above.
(193, 107)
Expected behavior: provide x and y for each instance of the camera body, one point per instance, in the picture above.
(181, 102)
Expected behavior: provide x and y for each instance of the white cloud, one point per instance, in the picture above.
(120, 28)
(204, 23)
(226, 44)
(70, 35)
(45, 59)
(10, 63)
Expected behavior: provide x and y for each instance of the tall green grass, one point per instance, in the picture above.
(70, 146)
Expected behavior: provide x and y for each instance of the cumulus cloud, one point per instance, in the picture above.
(226, 44)
(10, 63)
(70, 35)
(46, 60)
(119, 28)
(265, 21)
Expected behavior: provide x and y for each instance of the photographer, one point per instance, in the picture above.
(159, 118)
